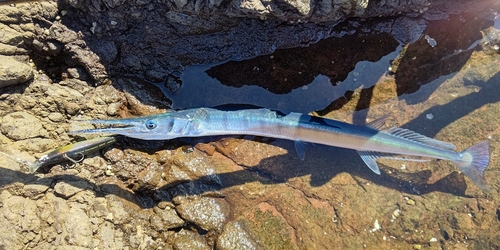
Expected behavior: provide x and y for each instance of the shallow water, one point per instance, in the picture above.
(441, 79)
(436, 85)
(329, 75)
(354, 73)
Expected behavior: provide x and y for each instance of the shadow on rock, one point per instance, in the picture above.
(458, 108)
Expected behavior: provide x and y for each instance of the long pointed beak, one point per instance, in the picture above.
(125, 127)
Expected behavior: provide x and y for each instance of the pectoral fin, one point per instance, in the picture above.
(369, 159)
(300, 149)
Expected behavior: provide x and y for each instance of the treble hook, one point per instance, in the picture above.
(65, 156)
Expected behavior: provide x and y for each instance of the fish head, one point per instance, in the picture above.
(156, 127)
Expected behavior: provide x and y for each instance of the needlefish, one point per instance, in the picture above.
(368, 140)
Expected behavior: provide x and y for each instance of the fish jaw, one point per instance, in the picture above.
(134, 128)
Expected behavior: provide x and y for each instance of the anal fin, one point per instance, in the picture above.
(300, 149)
(369, 159)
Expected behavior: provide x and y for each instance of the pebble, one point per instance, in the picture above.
(395, 214)
(376, 226)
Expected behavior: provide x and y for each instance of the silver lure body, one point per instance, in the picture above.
(368, 141)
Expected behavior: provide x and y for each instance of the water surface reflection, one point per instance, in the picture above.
(333, 72)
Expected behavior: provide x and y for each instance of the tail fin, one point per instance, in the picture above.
(474, 161)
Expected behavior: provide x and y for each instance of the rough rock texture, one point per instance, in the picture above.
(245, 193)
(13, 72)
(154, 40)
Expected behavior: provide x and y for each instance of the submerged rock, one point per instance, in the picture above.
(234, 236)
(166, 219)
(189, 240)
(207, 213)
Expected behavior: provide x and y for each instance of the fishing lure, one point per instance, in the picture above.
(74, 152)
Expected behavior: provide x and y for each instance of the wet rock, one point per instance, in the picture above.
(303, 10)
(207, 213)
(301, 214)
(186, 18)
(13, 72)
(106, 49)
(194, 163)
(22, 125)
(189, 240)
(173, 175)
(165, 219)
(234, 236)
(271, 227)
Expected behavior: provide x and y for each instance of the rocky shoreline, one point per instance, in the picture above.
(67, 60)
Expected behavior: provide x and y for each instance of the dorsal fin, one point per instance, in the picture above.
(410, 135)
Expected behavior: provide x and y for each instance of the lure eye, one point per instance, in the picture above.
(151, 124)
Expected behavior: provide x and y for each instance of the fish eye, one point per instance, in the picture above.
(151, 124)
